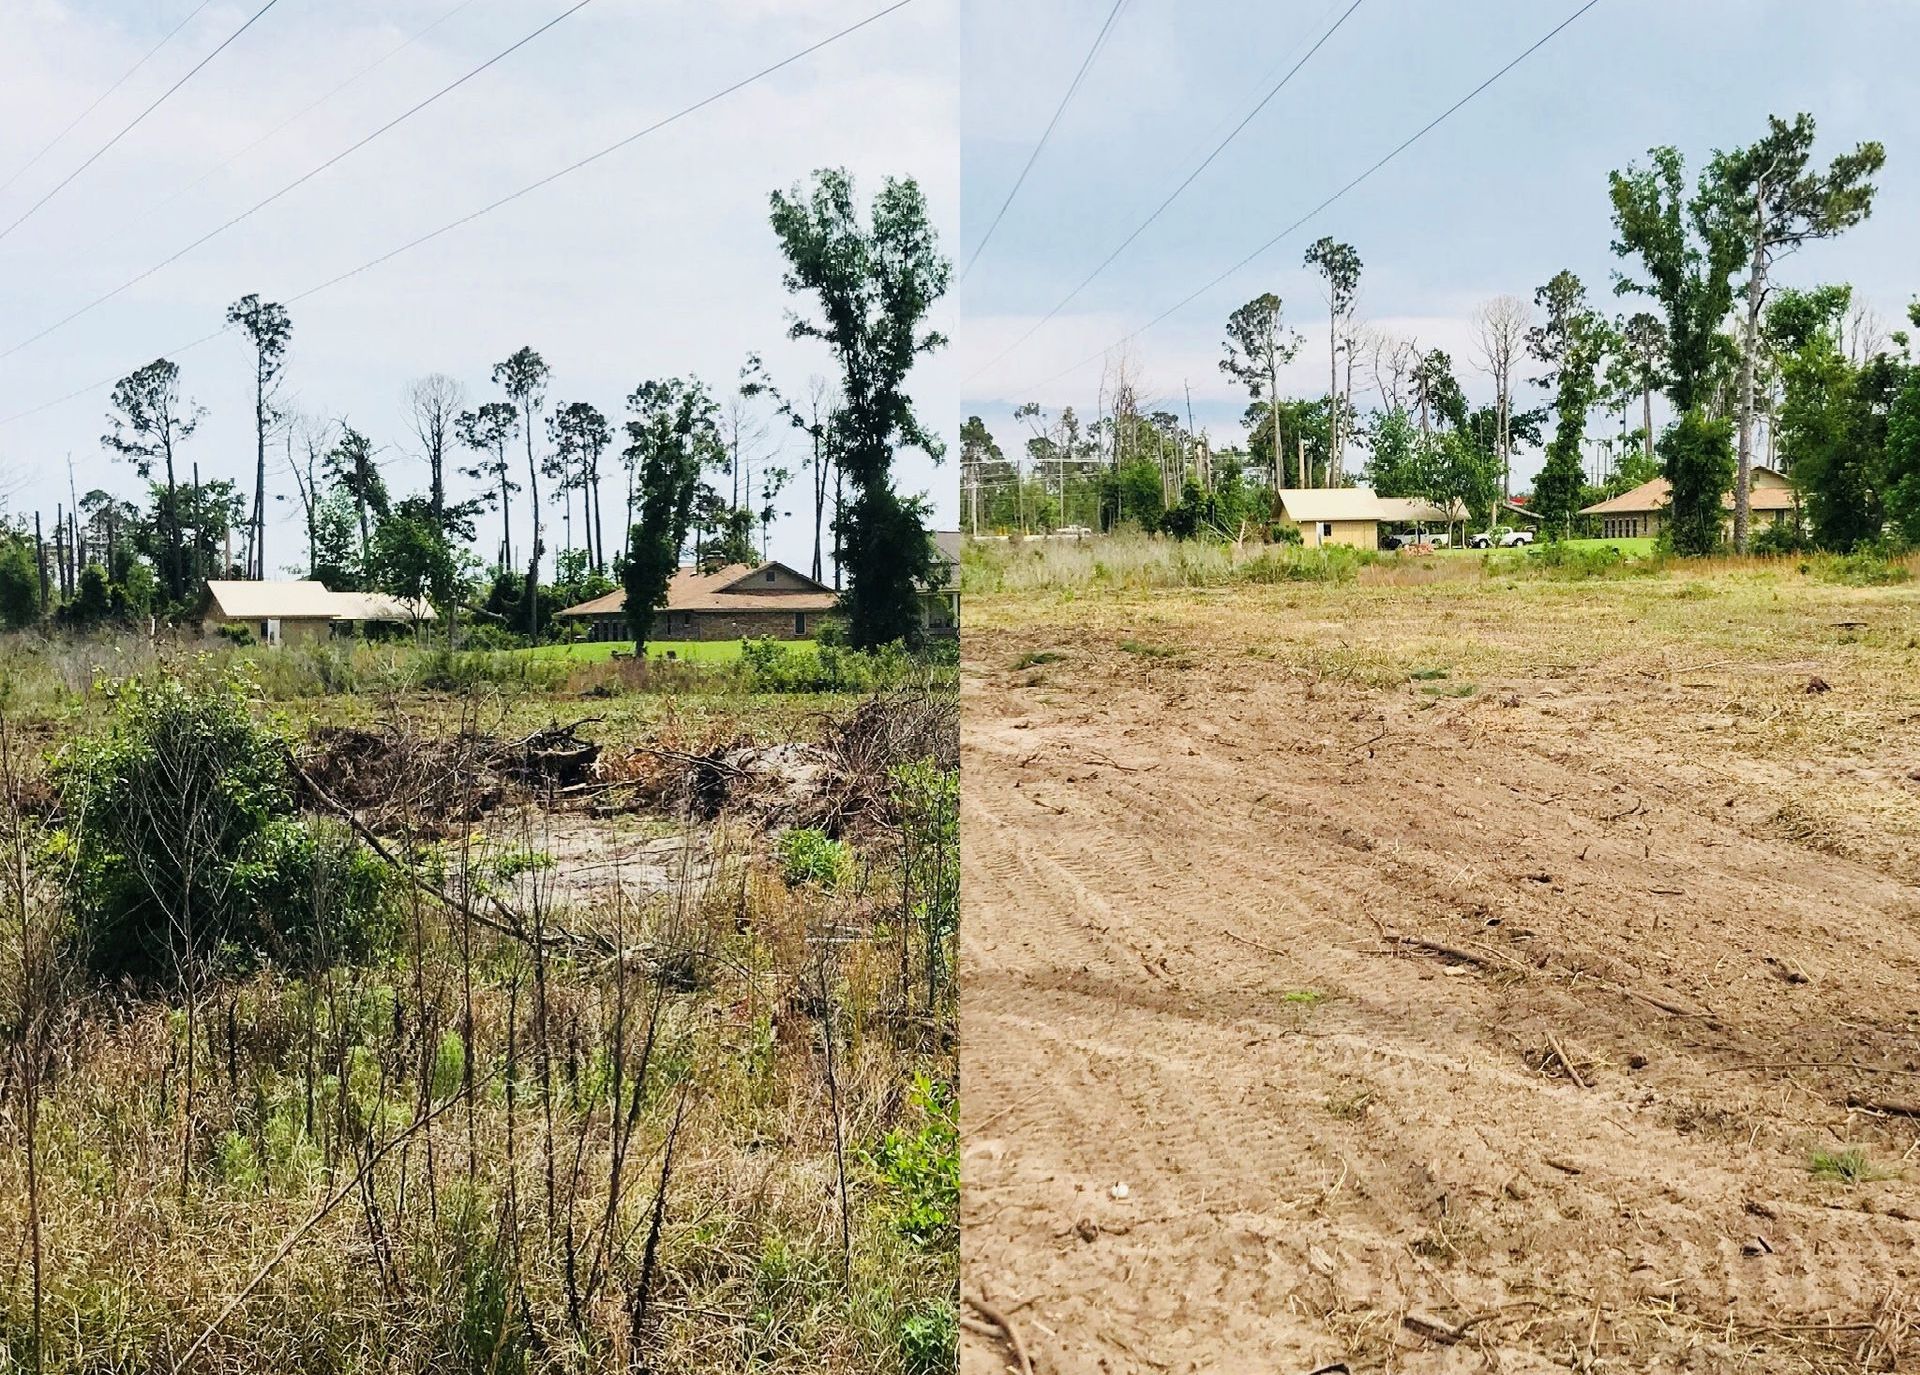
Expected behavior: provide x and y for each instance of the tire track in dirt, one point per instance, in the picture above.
(1174, 979)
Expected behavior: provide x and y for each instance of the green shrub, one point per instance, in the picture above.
(929, 1338)
(919, 1165)
(812, 856)
(185, 852)
(1566, 560)
(238, 634)
(1782, 537)
(1862, 568)
(827, 666)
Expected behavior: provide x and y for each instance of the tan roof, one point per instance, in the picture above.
(307, 600)
(1359, 503)
(272, 601)
(1330, 503)
(1769, 492)
(724, 589)
(378, 606)
(1414, 509)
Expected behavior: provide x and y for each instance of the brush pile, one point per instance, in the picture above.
(400, 780)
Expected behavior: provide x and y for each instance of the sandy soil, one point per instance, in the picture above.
(1311, 1024)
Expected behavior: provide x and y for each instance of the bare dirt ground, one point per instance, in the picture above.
(1496, 977)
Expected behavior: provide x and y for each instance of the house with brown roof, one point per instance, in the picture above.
(734, 602)
(1640, 513)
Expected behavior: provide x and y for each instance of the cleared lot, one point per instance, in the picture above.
(1495, 974)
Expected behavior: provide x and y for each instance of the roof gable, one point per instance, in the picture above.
(769, 578)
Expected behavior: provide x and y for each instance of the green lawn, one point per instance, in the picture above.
(693, 651)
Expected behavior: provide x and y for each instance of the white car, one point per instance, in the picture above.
(1513, 539)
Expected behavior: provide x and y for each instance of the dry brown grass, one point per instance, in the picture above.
(492, 1121)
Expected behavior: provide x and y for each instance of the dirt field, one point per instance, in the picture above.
(1496, 975)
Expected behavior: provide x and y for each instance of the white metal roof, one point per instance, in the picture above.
(265, 601)
(307, 600)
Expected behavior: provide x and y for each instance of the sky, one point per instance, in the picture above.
(1494, 201)
(656, 261)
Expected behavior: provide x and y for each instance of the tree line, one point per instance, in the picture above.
(1753, 373)
(702, 477)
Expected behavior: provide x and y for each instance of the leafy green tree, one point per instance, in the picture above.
(150, 421)
(412, 558)
(875, 284)
(487, 432)
(1774, 205)
(1562, 298)
(1257, 346)
(19, 582)
(1466, 468)
(523, 376)
(1903, 460)
(1688, 254)
(980, 457)
(673, 436)
(1835, 423)
(1436, 393)
(1696, 454)
(1568, 343)
(1396, 464)
(92, 604)
(1643, 354)
(580, 434)
(334, 552)
(269, 329)
(352, 466)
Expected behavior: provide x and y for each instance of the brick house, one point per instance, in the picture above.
(1641, 512)
(736, 602)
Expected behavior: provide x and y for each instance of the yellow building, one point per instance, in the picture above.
(303, 612)
(1353, 515)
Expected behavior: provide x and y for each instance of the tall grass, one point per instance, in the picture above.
(1132, 562)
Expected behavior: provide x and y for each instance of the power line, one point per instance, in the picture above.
(610, 149)
(299, 181)
(1400, 148)
(1099, 41)
(100, 99)
(286, 123)
(1176, 193)
(98, 152)
(530, 187)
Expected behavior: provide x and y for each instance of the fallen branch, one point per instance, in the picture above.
(506, 923)
(1566, 1061)
(1011, 1333)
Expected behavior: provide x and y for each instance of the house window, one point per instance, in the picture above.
(799, 623)
(769, 575)
(1326, 529)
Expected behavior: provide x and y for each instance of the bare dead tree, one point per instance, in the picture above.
(434, 402)
(1499, 337)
